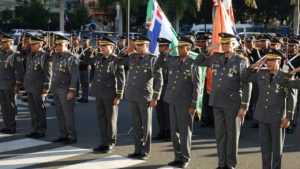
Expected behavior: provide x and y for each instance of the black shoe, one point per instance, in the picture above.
(10, 131)
(70, 140)
(100, 148)
(174, 163)
(108, 149)
(134, 155)
(3, 130)
(31, 135)
(144, 156)
(60, 139)
(39, 135)
(183, 165)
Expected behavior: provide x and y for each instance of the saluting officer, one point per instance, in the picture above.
(108, 87)
(229, 98)
(182, 94)
(11, 78)
(162, 108)
(143, 90)
(37, 83)
(274, 108)
(63, 85)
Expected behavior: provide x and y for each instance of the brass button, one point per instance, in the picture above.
(266, 107)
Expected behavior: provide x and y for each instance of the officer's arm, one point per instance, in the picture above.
(74, 75)
(246, 86)
(90, 59)
(19, 69)
(158, 81)
(295, 84)
(120, 77)
(47, 71)
(196, 86)
(291, 102)
(206, 60)
(123, 59)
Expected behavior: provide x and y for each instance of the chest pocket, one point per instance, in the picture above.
(62, 66)
(233, 73)
(187, 74)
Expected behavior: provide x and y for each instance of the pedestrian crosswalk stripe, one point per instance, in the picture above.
(111, 162)
(20, 144)
(30, 159)
(4, 135)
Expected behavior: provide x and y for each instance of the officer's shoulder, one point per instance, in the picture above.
(151, 55)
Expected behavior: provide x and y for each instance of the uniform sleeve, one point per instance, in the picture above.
(19, 69)
(248, 76)
(120, 77)
(196, 87)
(246, 86)
(74, 74)
(295, 84)
(205, 60)
(158, 81)
(123, 59)
(47, 71)
(291, 103)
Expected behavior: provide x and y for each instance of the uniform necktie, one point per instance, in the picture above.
(271, 77)
(226, 59)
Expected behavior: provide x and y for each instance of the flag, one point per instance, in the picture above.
(158, 25)
(223, 21)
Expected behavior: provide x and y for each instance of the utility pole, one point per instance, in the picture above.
(61, 15)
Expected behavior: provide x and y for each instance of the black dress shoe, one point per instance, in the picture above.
(60, 139)
(39, 135)
(100, 148)
(10, 131)
(183, 165)
(174, 163)
(134, 155)
(108, 149)
(70, 140)
(31, 135)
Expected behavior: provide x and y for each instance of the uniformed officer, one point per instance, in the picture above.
(63, 85)
(202, 41)
(182, 94)
(162, 108)
(121, 44)
(274, 108)
(108, 87)
(253, 56)
(143, 89)
(229, 98)
(84, 51)
(11, 78)
(36, 84)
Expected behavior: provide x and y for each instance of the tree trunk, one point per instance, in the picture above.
(61, 15)
(296, 18)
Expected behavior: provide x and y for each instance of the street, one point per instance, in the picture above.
(16, 151)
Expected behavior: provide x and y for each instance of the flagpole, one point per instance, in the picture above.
(128, 22)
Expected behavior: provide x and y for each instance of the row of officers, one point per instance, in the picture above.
(232, 79)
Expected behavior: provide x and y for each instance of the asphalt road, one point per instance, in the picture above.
(18, 152)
